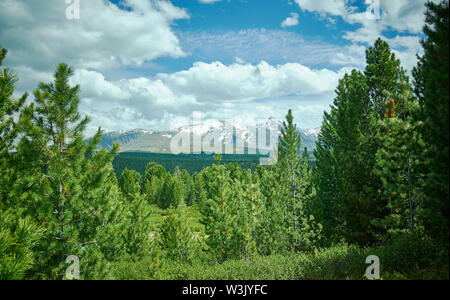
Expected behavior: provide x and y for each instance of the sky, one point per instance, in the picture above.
(151, 63)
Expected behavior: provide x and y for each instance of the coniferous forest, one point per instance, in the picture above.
(378, 185)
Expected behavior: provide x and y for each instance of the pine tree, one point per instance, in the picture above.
(19, 234)
(18, 238)
(326, 205)
(188, 186)
(199, 189)
(136, 215)
(221, 215)
(9, 131)
(432, 89)
(299, 231)
(154, 178)
(130, 184)
(71, 188)
(348, 148)
(173, 191)
(398, 166)
(353, 153)
(251, 201)
(176, 237)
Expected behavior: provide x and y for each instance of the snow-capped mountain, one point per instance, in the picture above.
(228, 134)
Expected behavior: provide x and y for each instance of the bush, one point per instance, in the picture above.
(405, 257)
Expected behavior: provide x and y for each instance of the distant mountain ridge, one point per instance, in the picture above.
(154, 141)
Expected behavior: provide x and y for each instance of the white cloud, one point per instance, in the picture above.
(254, 45)
(38, 35)
(332, 7)
(218, 90)
(217, 82)
(290, 21)
(405, 17)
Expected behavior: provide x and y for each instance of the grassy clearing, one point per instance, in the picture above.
(158, 214)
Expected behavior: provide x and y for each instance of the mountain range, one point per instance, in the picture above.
(141, 140)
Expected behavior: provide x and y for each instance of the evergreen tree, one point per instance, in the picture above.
(18, 233)
(188, 186)
(154, 178)
(432, 89)
(9, 131)
(199, 189)
(71, 188)
(350, 142)
(173, 191)
(129, 183)
(221, 215)
(18, 238)
(300, 232)
(175, 234)
(136, 212)
(326, 206)
(251, 201)
(398, 166)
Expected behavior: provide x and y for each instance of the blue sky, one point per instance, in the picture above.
(229, 16)
(151, 63)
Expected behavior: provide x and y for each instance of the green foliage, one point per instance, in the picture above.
(130, 184)
(347, 173)
(379, 187)
(154, 178)
(191, 162)
(173, 191)
(297, 230)
(18, 233)
(176, 237)
(406, 257)
(69, 188)
(432, 89)
(221, 215)
(18, 239)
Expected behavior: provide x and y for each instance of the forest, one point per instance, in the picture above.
(378, 186)
(190, 162)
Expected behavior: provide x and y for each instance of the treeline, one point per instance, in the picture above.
(191, 162)
(381, 178)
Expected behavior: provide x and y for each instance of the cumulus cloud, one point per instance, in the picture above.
(216, 82)
(404, 16)
(290, 21)
(332, 7)
(217, 90)
(105, 36)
